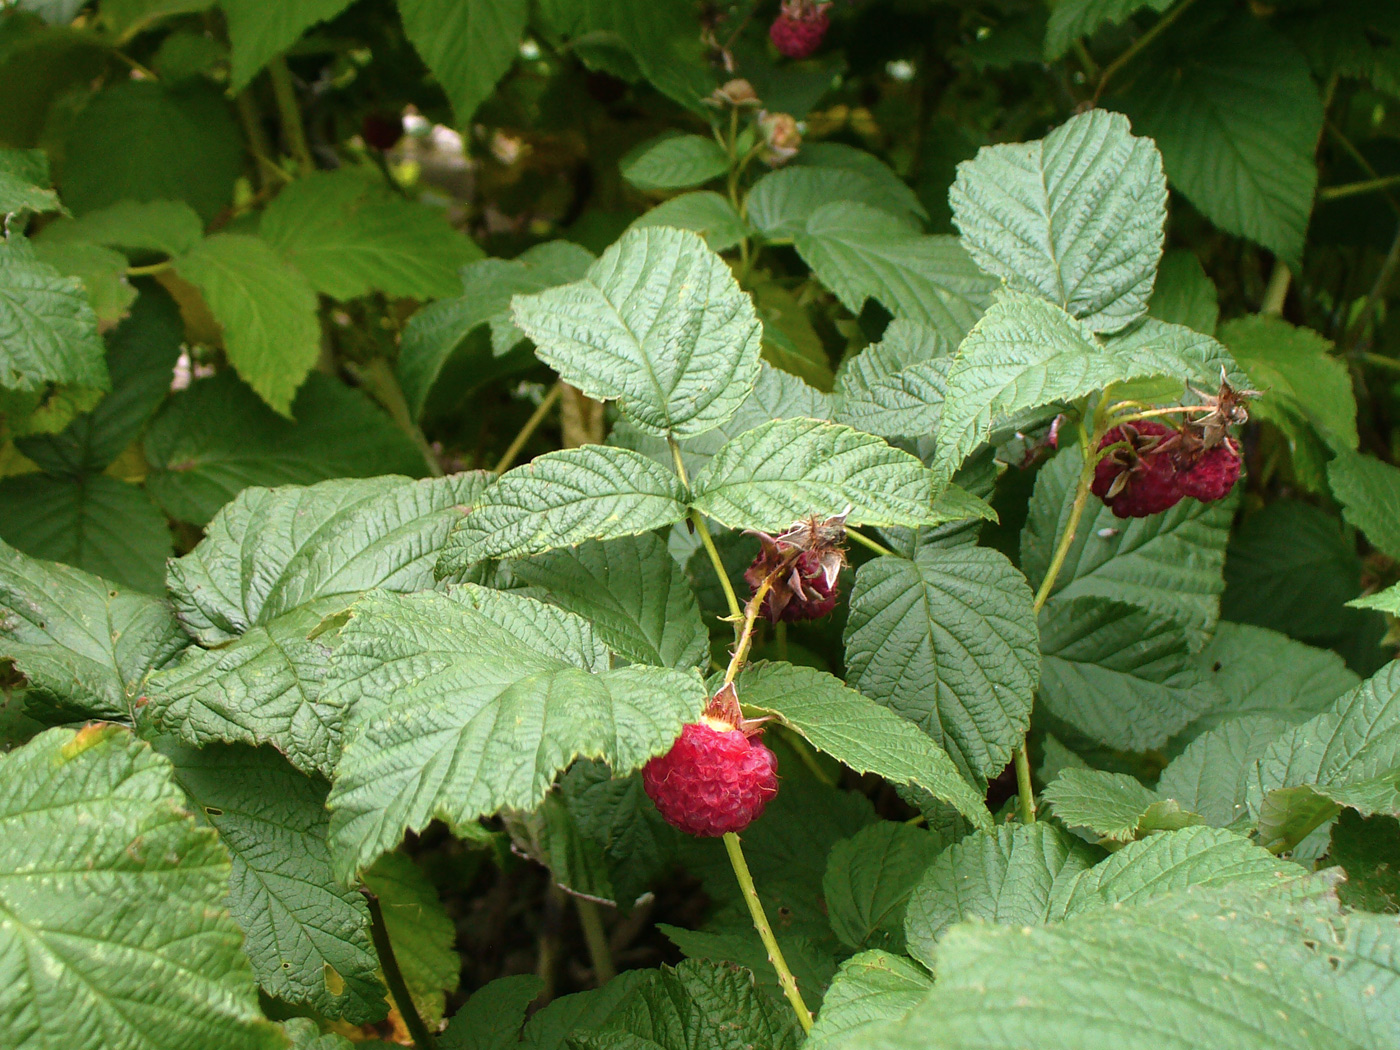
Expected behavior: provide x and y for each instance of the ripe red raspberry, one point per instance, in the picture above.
(1140, 479)
(1214, 474)
(715, 779)
(798, 30)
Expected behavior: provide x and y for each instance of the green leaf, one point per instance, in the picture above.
(1368, 849)
(1072, 19)
(146, 141)
(1130, 978)
(871, 988)
(862, 253)
(266, 309)
(1369, 492)
(1011, 875)
(702, 1005)
(1185, 295)
(420, 930)
(141, 355)
(1348, 755)
(468, 44)
(83, 644)
(583, 1011)
(868, 881)
(260, 32)
(948, 640)
(884, 188)
(427, 679)
(663, 43)
(1237, 117)
(1170, 563)
(101, 271)
(706, 212)
(170, 226)
(659, 324)
(635, 595)
(1076, 218)
(1211, 777)
(780, 202)
(1387, 601)
(788, 469)
(115, 932)
(48, 332)
(96, 523)
(563, 498)
(308, 938)
(306, 1034)
(216, 438)
(1119, 674)
(674, 162)
(349, 235)
(895, 387)
(1108, 804)
(858, 732)
(812, 966)
(24, 182)
(493, 1016)
(1026, 353)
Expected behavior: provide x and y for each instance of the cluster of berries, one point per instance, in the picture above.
(798, 30)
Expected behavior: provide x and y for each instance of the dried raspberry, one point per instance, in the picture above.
(1141, 479)
(798, 30)
(381, 130)
(715, 779)
(1214, 474)
(808, 591)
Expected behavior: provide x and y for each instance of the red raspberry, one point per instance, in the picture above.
(1141, 479)
(1214, 474)
(381, 131)
(807, 592)
(798, 30)
(715, 779)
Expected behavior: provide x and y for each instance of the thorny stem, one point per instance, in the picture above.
(765, 932)
(1141, 43)
(289, 114)
(597, 940)
(531, 425)
(393, 976)
(702, 530)
(866, 541)
(745, 639)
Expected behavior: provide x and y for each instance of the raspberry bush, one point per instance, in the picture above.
(866, 525)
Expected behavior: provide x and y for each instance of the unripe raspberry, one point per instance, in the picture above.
(808, 591)
(1141, 479)
(798, 30)
(715, 779)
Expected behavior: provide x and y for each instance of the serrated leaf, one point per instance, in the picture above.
(616, 814)
(674, 162)
(1183, 294)
(1368, 849)
(861, 253)
(1211, 777)
(787, 469)
(493, 1016)
(660, 325)
(1170, 563)
(1011, 875)
(83, 644)
(24, 182)
(307, 936)
(948, 640)
(868, 881)
(48, 332)
(871, 988)
(266, 309)
(474, 691)
(1119, 674)
(1387, 601)
(705, 212)
(858, 732)
(812, 965)
(169, 226)
(1369, 492)
(779, 203)
(895, 388)
(886, 190)
(468, 44)
(350, 235)
(91, 818)
(1072, 19)
(1108, 804)
(1076, 218)
(420, 930)
(1237, 116)
(1348, 755)
(101, 271)
(104, 526)
(632, 591)
(550, 1028)
(216, 438)
(563, 498)
(260, 32)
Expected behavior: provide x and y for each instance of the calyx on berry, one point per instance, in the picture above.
(718, 776)
(803, 566)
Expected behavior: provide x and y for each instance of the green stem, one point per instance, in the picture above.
(866, 541)
(531, 425)
(257, 142)
(597, 940)
(1081, 497)
(380, 380)
(393, 976)
(1361, 162)
(1353, 189)
(804, 752)
(1024, 789)
(698, 520)
(745, 639)
(765, 932)
(289, 114)
(1140, 44)
(147, 271)
(1380, 361)
(1277, 291)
